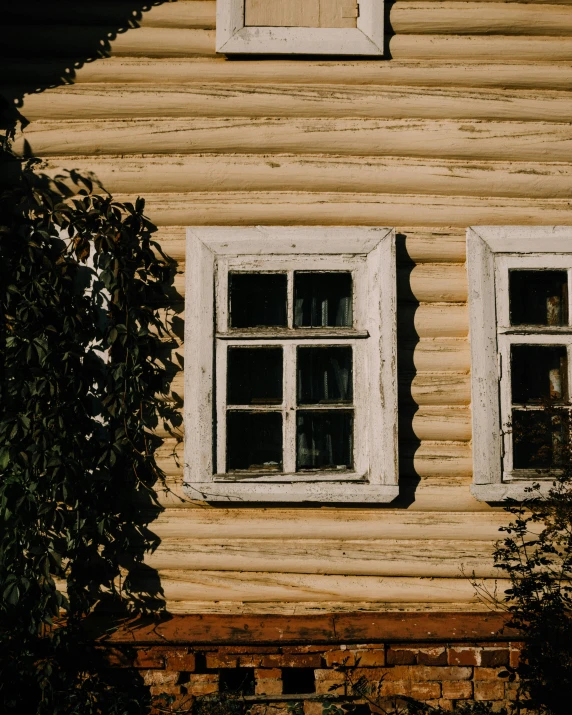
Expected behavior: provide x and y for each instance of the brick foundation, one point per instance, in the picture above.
(442, 672)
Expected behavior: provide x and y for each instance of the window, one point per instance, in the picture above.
(290, 362)
(315, 27)
(521, 338)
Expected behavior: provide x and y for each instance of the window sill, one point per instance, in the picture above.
(335, 491)
(510, 490)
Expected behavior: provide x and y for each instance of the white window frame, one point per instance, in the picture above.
(491, 252)
(233, 37)
(370, 254)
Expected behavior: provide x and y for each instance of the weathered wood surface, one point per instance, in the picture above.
(367, 524)
(467, 124)
(342, 209)
(446, 139)
(323, 174)
(452, 74)
(101, 101)
(262, 586)
(445, 559)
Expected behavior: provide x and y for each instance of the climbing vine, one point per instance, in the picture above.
(83, 371)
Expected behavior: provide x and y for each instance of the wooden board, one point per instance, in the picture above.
(300, 13)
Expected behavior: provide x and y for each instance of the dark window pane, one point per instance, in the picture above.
(254, 441)
(538, 297)
(323, 300)
(539, 438)
(254, 376)
(324, 440)
(538, 373)
(258, 300)
(324, 375)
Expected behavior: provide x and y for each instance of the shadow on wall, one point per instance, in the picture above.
(407, 340)
(44, 42)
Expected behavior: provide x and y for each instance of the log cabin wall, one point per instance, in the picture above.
(464, 122)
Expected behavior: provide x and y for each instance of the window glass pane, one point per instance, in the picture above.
(254, 376)
(538, 373)
(324, 440)
(254, 441)
(323, 300)
(538, 297)
(324, 374)
(539, 438)
(258, 300)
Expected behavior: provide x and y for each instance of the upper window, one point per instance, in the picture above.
(314, 27)
(290, 365)
(520, 282)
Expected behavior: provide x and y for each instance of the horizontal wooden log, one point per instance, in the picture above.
(429, 283)
(436, 355)
(217, 586)
(118, 13)
(441, 423)
(438, 388)
(474, 18)
(91, 42)
(259, 625)
(388, 557)
(367, 524)
(165, 42)
(495, 141)
(455, 73)
(415, 244)
(536, 17)
(102, 101)
(480, 48)
(180, 173)
(299, 209)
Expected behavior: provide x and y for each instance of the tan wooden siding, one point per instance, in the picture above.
(467, 123)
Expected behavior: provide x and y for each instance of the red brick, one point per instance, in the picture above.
(286, 660)
(341, 657)
(268, 673)
(464, 656)
(495, 656)
(203, 683)
(396, 687)
(489, 690)
(160, 677)
(221, 660)
(425, 691)
(332, 675)
(514, 661)
(250, 661)
(312, 707)
(457, 690)
(308, 648)
(150, 658)
(370, 658)
(401, 656)
(244, 649)
(432, 656)
(444, 704)
(165, 690)
(180, 659)
(488, 673)
(268, 686)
